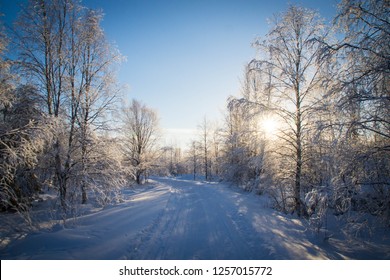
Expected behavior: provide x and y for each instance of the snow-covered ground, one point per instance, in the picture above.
(183, 219)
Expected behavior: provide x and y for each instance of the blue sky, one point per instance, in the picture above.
(184, 58)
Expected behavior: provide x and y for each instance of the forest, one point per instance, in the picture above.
(310, 128)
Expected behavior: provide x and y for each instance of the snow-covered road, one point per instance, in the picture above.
(198, 222)
(181, 219)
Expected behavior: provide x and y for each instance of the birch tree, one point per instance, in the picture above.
(365, 54)
(41, 35)
(193, 159)
(97, 93)
(63, 53)
(242, 145)
(292, 50)
(23, 134)
(205, 143)
(362, 93)
(140, 131)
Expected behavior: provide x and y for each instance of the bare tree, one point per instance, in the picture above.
(216, 150)
(194, 158)
(171, 160)
(96, 92)
(362, 94)
(140, 131)
(63, 52)
(206, 145)
(24, 131)
(41, 36)
(291, 53)
(243, 143)
(6, 78)
(365, 77)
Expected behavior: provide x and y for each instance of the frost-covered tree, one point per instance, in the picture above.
(43, 37)
(235, 138)
(140, 132)
(171, 162)
(205, 143)
(216, 150)
(207, 149)
(243, 147)
(194, 157)
(362, 95)
(6, 79)
(290, 55)
(24, 131)
(101, 173)
(96, 93)
(63, 53)
(364, 77)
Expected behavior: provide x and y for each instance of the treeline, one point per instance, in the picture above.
(62, 130)
(330, 99)
(311, 127)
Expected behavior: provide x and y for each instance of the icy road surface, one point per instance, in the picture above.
(177, 219)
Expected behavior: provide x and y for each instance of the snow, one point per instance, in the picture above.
(182, 219)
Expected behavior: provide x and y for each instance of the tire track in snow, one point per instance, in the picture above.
(164, 237)
(241, 238)
(198, 222)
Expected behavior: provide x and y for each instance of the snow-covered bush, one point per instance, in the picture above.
(316, 206)
(24, 133)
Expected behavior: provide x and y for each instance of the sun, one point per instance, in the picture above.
(269, 126)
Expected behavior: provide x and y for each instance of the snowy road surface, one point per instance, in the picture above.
(176, 219)
(198, 222)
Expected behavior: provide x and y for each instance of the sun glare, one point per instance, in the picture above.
(270, 126)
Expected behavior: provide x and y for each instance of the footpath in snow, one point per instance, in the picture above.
(183, 219)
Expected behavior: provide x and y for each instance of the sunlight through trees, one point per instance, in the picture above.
(310, 127)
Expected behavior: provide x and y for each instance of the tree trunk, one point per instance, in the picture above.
(61, 177)
(138, 178)
(84, 197)
(298, 170)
